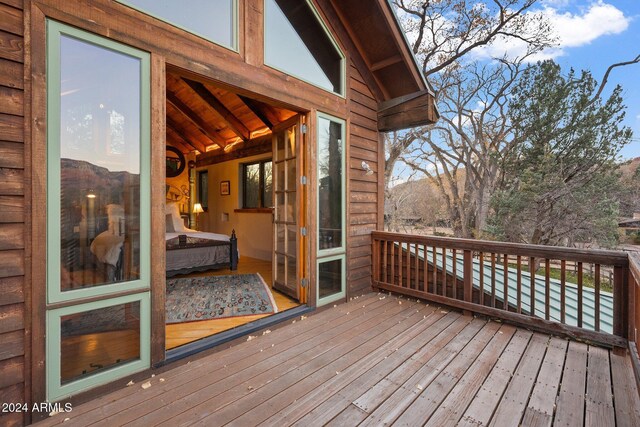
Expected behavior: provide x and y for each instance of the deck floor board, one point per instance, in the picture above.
(382, 359)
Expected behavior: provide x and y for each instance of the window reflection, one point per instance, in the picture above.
(330, 203)
(214, 20)
(99, 165)
(297, 43)
(96, 340)
(329, 278)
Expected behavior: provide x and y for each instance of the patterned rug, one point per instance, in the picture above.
(217, 297)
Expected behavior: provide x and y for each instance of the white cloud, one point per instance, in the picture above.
(571, 30)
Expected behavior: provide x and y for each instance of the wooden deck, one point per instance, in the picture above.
(377, 360)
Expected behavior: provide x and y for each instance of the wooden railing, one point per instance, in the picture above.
(634, 311)
(529, 285)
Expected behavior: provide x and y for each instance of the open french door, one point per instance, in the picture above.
(289, 212)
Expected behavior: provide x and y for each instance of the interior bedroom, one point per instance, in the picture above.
(230, 258)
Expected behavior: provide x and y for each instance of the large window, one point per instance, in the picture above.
(214, 20)
(98, 210)
(331, 209)
(257, 188)
(296, 42)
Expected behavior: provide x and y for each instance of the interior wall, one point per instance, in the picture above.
(254, 230)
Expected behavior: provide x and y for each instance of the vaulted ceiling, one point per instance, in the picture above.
(204, 117)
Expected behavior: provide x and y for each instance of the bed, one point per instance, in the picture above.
(191, 251)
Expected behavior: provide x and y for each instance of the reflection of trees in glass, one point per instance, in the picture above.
(78, 128)
(116, 125)
(330, 180)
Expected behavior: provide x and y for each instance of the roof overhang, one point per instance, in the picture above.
(415, 109)
(401, 87)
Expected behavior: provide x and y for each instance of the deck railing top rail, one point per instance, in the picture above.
(596, 256)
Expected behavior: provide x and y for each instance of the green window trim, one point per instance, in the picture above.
(55, 389)
(234, 19)
(337, 253)
(54, 32)
(343, 246)
(343, 70)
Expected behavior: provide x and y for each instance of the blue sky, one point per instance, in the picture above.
(595, 34)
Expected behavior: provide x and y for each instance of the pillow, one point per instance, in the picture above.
(169, 222)
(173, 210)
(115, 215)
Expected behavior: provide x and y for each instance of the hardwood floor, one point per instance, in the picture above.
(183, 333)
(383, 360)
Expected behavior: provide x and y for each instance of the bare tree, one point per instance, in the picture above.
(444, 34)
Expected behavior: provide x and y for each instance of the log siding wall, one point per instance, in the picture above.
(363, 198)
(12, 209)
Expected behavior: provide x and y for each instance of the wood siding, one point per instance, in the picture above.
(12, 209)
(364, 200)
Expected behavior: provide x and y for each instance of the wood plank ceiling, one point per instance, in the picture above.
(204, 117)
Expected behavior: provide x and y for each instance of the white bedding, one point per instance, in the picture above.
(106, 247)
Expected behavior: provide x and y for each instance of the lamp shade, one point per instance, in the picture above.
(197, 208)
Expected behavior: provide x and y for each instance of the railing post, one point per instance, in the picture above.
(620, 295)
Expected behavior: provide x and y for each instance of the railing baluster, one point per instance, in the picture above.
(481, 278)
(596, 279)
(580, 294)
(493, 280)
(385, 260)
(519, 283)
(376, 260)
(454, 264)
(417, 267)
(468, 275)
(505, 272)
(547, 287)
(393, 263)
(400, 255)
(435, 270)
(563, 283)
(444, 271)
(532, 285)
(408, 265)
(426, 269)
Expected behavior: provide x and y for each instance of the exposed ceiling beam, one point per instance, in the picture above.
(177, 141)
(194, 118)
(386, 62)
(232, 121)
(258, 146)
(257, 110)
(175, 127)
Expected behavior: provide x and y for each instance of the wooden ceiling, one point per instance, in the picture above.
(204, 117)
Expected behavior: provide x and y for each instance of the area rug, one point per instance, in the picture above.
(216, 297)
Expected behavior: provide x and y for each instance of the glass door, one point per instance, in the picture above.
(288, 209)
(98, 211)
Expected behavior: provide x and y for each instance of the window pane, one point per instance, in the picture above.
(99, 166)
(268, 185)
(330, 181)
(252, 185)
(329, 278)
(95, 340)
(211, 19)
(297, 43)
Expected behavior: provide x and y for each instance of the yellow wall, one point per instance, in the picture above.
(254, 230)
